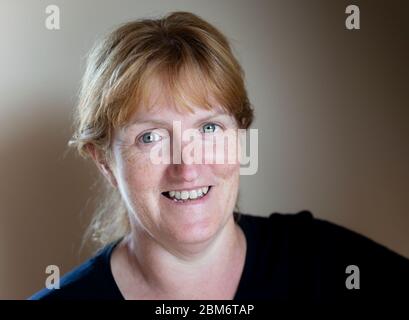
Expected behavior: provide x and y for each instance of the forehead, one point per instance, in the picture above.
(158, 101)
(165, 115)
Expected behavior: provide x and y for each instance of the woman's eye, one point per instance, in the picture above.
(210, 127)
(150, 137)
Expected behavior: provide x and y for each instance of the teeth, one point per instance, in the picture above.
(192, 194)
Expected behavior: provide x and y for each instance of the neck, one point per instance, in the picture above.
(172, 268)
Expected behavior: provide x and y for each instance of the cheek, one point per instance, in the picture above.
(227, 173)
(139, 176)
(228, 186)
(139, 186)
(223, 148)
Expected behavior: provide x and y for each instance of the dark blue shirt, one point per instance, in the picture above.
(290, 257)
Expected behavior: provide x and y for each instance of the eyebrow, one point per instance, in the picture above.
(169, 123)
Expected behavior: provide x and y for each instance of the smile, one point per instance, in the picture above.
(183, 196)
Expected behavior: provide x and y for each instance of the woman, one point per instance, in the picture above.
(171, 230)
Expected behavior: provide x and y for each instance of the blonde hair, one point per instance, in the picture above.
(189, 56)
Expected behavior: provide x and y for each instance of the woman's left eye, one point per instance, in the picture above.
(210, 127)
(150, 137)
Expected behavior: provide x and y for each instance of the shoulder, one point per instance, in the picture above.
(90, 280)
(282, 224)
(304, 229)
(276, 218)
(325, 253)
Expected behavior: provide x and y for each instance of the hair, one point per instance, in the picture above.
(194, 63)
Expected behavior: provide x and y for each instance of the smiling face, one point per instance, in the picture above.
(207, 192)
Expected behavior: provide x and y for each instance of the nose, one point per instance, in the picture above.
(179, 170)
(183, 172)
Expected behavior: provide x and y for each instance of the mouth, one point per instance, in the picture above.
(188, 196)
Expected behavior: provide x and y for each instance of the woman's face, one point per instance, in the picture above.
(146, 186)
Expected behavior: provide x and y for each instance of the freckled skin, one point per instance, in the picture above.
(141, 183)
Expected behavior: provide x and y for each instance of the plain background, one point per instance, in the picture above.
(331, 108)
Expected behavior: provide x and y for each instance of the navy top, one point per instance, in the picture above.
(290, 257)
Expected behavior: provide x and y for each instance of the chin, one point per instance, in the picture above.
(196, 232)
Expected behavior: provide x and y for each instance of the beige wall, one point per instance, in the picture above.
(331, 109)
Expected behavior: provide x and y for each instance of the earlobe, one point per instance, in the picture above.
(107, 172)
(102, 165)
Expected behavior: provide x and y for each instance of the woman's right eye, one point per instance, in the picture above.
(150, 137)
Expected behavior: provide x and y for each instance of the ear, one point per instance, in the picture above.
(102, 165)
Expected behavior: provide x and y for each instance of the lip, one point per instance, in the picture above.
(196, 202)
(188, 189)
